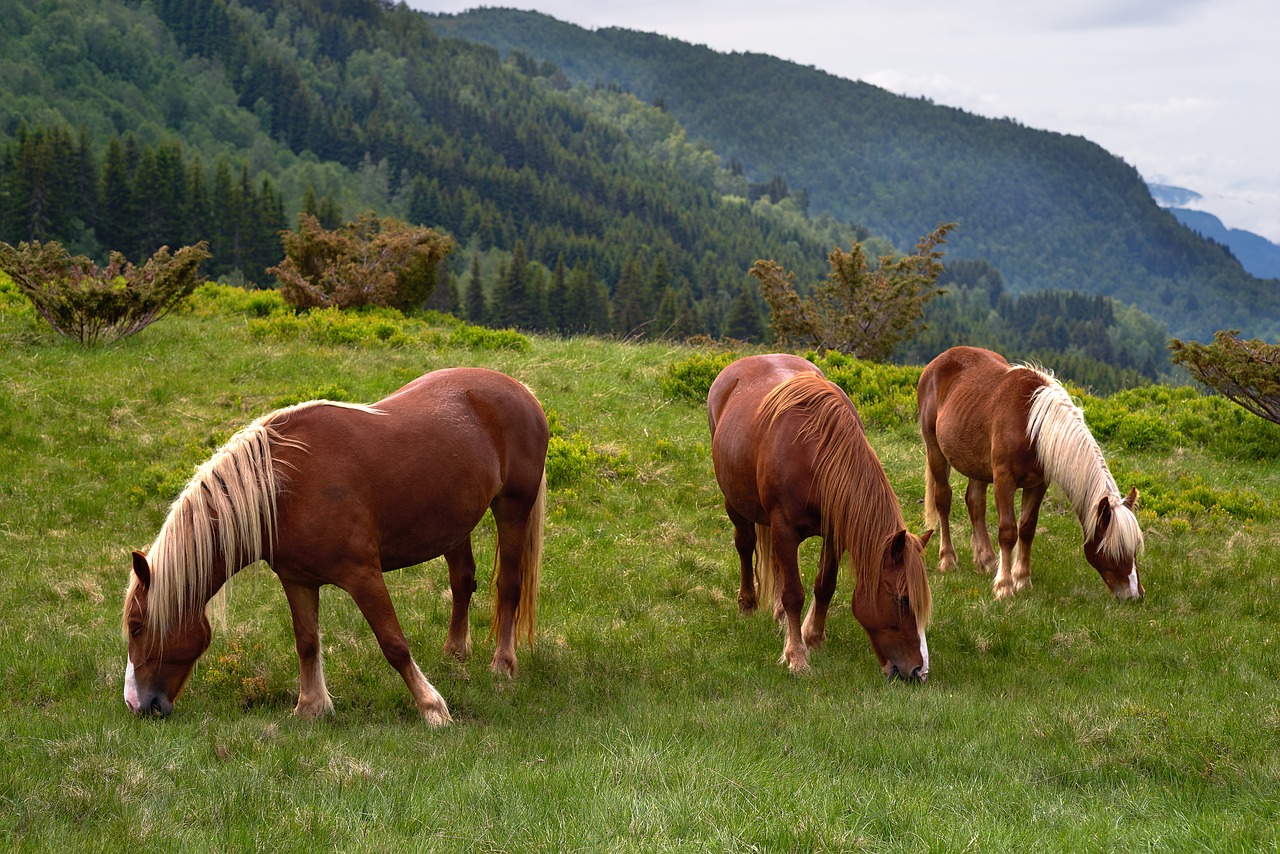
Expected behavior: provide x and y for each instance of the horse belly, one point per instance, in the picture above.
(966, 443)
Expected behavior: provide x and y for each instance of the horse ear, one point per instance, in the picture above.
(1104, 514)
(898, 547)
(142, 569)
(1131, 500)
(924, 539)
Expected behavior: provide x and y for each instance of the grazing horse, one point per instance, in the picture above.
(1016, 427)
(793, 462)
(333, 493)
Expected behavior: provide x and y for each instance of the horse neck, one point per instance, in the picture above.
(1068, 453)
(859, 507)
(223, 521)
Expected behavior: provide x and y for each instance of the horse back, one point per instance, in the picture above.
(410, 476)
(973, 407)
(748, 459)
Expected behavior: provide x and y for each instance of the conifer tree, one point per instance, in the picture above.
(743, 321)
(629, 315)
(476, 309)
(558, 298)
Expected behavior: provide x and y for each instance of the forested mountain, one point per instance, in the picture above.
(1257, 254)
(1048, 210)
(124, 125)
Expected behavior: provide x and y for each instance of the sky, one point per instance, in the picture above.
(1185, 91)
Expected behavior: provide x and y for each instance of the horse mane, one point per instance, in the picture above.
(227, 509)
(1071, 458)
(860, 511)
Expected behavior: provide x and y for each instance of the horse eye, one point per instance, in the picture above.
(904, 602)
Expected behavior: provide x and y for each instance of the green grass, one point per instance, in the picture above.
(649, 716)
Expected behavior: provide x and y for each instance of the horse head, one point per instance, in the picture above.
(896, 612)
(1113, 548)
(161, 658)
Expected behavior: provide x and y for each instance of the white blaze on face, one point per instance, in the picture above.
(130, 688)
(1133, 581)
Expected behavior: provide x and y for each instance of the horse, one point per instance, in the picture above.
(338, 493)
(793, 462)
(1017, 427)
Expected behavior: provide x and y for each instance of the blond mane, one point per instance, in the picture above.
(1071, 458)
(227, 510)
(860, 511)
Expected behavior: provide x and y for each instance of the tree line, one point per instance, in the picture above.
(134, 198)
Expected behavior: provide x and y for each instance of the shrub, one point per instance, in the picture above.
(1246, 372)
(857, 310)
(212, 298)
(480, 338)
(89, 303)
(371, 262)
(330, 326)
(690, 379)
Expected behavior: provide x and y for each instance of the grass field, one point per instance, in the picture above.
(649, 715)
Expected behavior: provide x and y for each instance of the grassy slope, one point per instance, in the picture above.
(649, 715)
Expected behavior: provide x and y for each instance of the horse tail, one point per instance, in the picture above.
(766, 573)
(931, 515)
(530, 567)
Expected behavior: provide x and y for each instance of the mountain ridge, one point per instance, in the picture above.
(1051, 211)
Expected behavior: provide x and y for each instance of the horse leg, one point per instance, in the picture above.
(462, 583)
(1007, 535)
(512, 526)
(744, 540)
(975, 500)
(304, 607)
(786, 558)
(1031, 499)
(937, 501)
(814, 630)
(369, 591)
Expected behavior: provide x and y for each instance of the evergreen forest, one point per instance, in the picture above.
(579, 202)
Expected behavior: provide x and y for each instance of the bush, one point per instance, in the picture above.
(371, 262)
(212, 298)
(690, 379)
(1157, 418)
(480, 338)
(89, 303)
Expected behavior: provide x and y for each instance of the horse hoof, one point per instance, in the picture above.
(1003, 591)
(437, 718)
(746, 607)
(796, 662)
(460, 651)
(504, 666)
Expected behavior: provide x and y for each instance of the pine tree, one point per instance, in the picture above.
(743, 321)
(558, 298)
(629, 315)
(477, 309)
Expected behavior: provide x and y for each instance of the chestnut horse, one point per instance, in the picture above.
(1016, 427)
(793, 462)
(333, 493)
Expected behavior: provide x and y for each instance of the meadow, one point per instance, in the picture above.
(649, 715)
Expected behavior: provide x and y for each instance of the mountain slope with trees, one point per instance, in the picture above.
(119, 113)
(1048, 210)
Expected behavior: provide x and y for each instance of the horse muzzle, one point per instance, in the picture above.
(917, 674)
(155, 706)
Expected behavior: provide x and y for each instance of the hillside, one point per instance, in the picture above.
(358, 105)
(649, 715)
(1048, 210)
(1258, 255)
